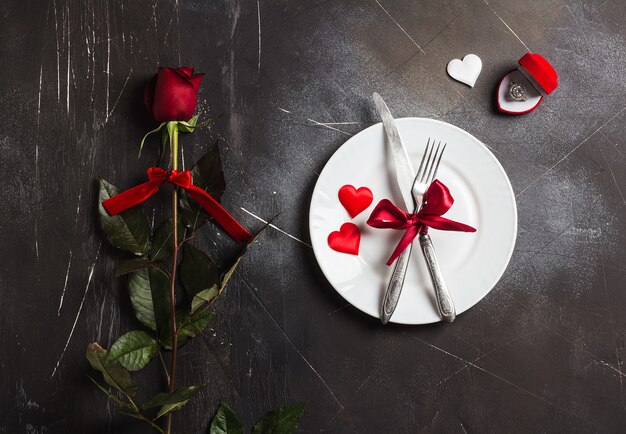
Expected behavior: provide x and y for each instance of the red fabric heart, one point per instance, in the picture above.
(355, 201)
(346, 240)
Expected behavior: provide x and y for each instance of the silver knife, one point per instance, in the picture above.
(405, 174)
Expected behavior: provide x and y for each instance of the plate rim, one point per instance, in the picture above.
(515, 227)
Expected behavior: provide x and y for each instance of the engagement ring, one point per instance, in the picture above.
(517, 91)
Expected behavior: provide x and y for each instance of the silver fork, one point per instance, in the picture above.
(425, 175)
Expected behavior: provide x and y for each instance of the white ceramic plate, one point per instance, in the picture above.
(472, 263)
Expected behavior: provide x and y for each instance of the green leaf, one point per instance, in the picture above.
(134, 350)
(162, 241)
(146, 136)
(192, 124)
(194, 324)
(130, 266)
(189, 126)
(225, 422)
(206, 174)
(280, 421)
(110, 395)
(149, 296)
(128, 230)
(171, 402)
(179, 395)
(188, 326)
(229, 273)
(197, 271)
(170, 408)
(204, 296)
(114, 374)
(208, 295)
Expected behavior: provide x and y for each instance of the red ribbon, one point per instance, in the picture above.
(157, 177)
(437, 201)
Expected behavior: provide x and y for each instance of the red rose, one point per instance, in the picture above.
(171, 95)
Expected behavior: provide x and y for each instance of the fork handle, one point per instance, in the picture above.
(392, 294)
(444, 301)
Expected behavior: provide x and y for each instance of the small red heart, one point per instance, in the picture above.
(346, 239)
(355, 201)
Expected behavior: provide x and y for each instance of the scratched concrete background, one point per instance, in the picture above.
(543, 352)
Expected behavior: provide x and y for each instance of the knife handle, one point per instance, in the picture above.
(392, 294)
(444, 301)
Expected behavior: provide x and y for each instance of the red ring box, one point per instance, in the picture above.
(536, 75)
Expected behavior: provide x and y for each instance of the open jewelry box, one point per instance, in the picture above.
(522, 90)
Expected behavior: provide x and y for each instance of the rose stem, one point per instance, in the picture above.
(174, 155)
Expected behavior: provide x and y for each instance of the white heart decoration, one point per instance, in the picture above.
(466, 70)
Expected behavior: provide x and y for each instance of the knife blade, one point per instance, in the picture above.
(405, 174)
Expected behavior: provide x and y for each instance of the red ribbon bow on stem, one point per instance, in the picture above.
(437, 201)
(157, 176)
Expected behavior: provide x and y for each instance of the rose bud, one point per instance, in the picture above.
(171, 95)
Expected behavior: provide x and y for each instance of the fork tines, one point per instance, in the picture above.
(429, 165)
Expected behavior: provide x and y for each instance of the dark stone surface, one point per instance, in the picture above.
(543, 352)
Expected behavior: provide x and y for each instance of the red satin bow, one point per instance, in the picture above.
(437, 201)
(157, 176)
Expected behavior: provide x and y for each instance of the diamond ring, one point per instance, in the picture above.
(517, 92)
